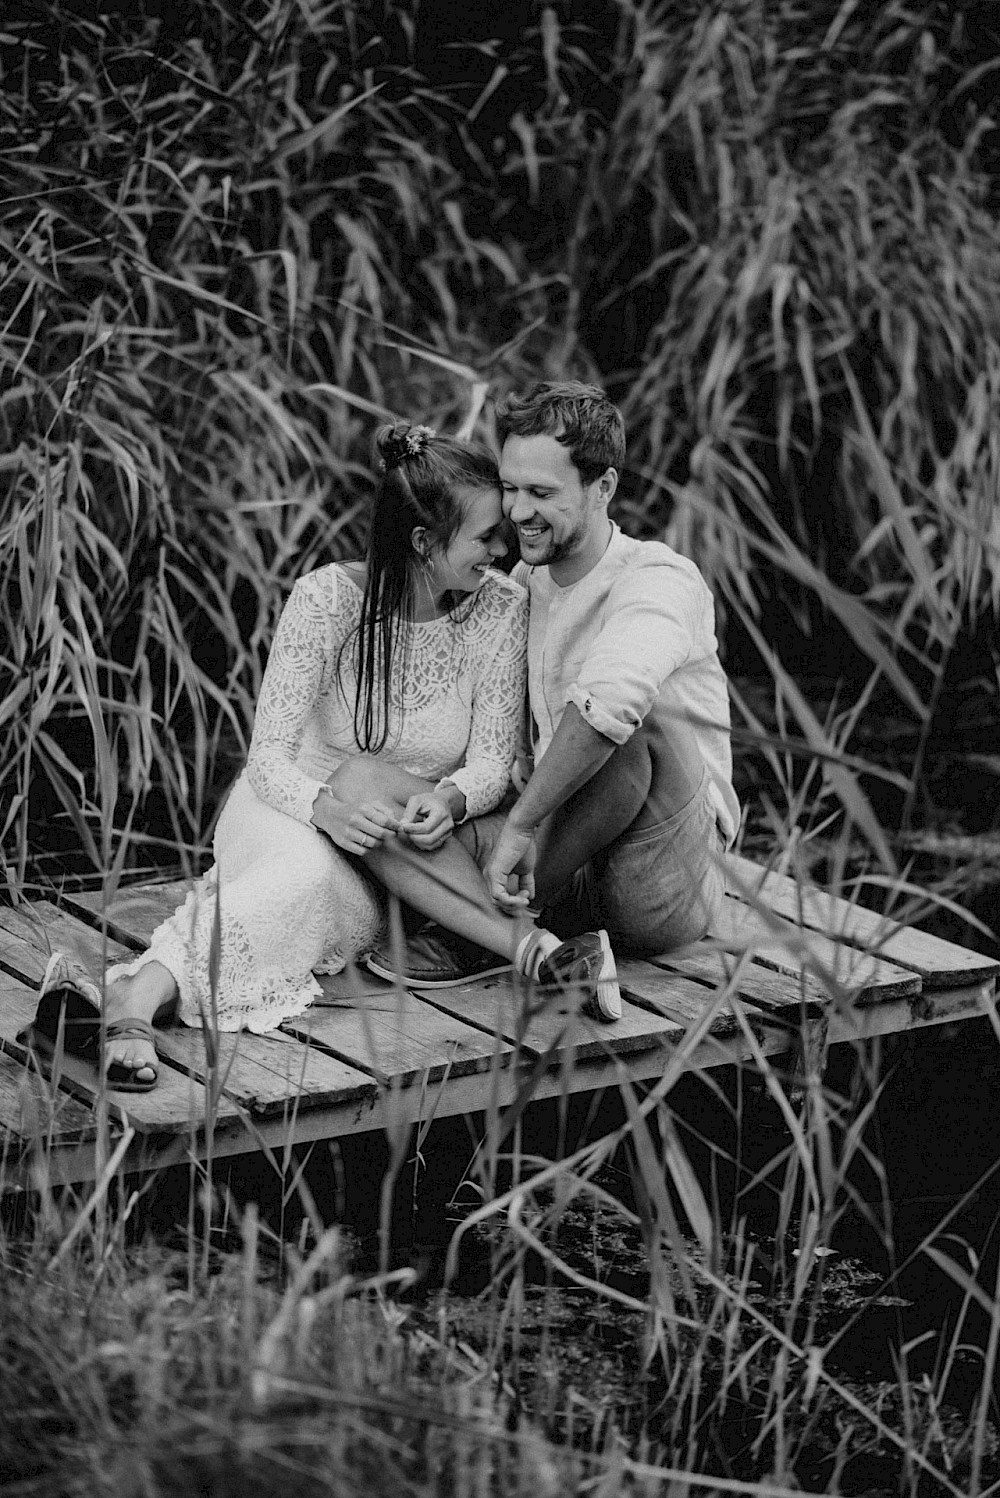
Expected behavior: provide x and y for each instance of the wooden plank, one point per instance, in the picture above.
(399, 1038)
(20, 958)
(33, 1112)
(395, 1108)
(266, 1074)
(764, 988)
(497, 1006)
(674, 996)
(178, 1104)
(937, 1007)
(349, 988)
(134, 912)
(940, 963)
(29, 933)
(472, 1093)
(775, 942)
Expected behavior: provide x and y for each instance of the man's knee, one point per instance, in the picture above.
(612, 799)
(657, 772)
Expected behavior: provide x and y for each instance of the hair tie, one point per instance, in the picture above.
(398, 446)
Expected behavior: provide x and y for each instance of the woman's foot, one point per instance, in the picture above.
(436, 958)
(71, 1019)
(133, 1003)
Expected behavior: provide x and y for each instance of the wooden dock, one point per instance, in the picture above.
(789, 970)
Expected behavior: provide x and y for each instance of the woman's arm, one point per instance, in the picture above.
(309, 630)
(497, 703)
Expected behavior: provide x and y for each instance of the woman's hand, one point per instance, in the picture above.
(427, 820)
(354, 828)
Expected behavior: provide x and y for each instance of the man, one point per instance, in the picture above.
(632, 769)
(629, 800)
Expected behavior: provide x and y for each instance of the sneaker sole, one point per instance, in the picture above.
(606, 1003)
(608, 1000)
(384, 970)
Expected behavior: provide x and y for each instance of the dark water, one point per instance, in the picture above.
(889, 1312)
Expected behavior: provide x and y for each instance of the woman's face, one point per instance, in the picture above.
(478, 541)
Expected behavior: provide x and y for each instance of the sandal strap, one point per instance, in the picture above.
(141, 1029)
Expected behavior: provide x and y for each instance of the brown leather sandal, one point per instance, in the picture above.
(124, 1078)
(68, 1017)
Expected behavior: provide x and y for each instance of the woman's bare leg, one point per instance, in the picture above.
(445, 884)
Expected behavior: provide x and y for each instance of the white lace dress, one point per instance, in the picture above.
(282, 902)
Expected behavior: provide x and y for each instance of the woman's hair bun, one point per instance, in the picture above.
(396, 444)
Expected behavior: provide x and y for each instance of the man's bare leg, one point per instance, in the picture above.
(647, 779)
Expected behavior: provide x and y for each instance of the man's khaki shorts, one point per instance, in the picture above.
(658, 888)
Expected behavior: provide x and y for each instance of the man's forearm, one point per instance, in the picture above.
(574, 756)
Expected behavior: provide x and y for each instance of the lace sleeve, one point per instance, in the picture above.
(304, 642)
(498, 698)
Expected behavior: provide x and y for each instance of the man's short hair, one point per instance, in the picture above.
(579, 416)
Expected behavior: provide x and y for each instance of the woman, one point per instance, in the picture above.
(389, 712)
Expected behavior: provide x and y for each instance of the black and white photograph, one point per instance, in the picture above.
(499, 749)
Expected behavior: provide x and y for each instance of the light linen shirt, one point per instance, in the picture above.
(635, 636)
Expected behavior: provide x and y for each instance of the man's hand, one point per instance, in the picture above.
(510, 873)
(427, 820)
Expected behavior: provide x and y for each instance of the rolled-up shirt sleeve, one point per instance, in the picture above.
(652, 621)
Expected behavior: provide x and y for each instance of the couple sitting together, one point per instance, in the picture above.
(389, 754)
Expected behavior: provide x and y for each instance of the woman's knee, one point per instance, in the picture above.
(362, 778)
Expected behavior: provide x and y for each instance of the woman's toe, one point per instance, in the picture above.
(136, 1059)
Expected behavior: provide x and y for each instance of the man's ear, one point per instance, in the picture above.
(607, 484)
(420, 541)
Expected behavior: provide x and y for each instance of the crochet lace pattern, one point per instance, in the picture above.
(282, 903)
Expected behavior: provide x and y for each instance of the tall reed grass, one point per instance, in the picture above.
(242, 1361)
(234, 240)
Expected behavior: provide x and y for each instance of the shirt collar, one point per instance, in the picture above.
(609, 552)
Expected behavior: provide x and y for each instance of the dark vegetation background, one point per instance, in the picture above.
(236, 237)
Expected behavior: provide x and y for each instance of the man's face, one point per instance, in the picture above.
(561, 522)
